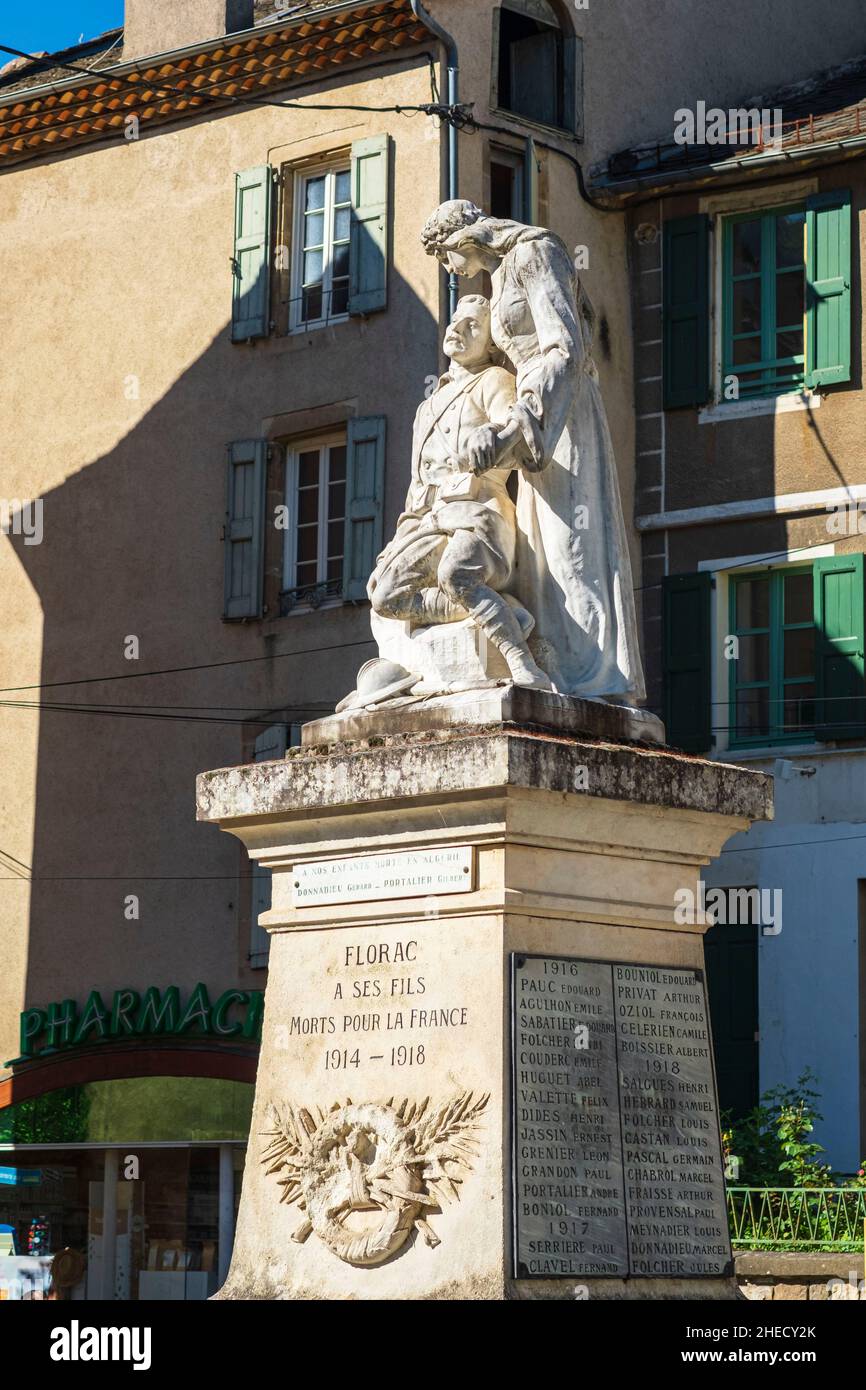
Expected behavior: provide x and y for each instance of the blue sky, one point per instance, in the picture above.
(53, 24)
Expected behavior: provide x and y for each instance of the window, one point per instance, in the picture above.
(764, 301)
(786, 307)
(316, 523)
(320, 279)
(506, 184)
(536, 64)
(773, 669)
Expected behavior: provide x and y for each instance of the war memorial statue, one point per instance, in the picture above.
(486, 1067)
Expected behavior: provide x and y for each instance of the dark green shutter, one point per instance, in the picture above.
(365, 486)
(687, 661)
(840, 688)
(244, 528)
(686, 311)
(828, 288)
(368, 258)
(251, 263)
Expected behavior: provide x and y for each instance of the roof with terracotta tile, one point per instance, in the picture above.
(47, 105)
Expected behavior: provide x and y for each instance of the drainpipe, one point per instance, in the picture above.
(453, 85)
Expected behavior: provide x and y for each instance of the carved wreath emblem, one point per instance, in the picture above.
(367, 1175)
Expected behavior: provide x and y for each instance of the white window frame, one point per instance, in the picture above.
(329, 169)
(515, 160)
(324, 444)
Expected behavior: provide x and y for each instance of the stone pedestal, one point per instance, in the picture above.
(383, 1108)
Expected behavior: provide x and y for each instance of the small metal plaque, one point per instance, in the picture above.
(617, 1159)
(377, 877)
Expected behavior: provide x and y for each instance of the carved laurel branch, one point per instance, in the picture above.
(431, 1145)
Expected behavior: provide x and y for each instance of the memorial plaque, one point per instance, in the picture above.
(617, 1158)
(375, 877)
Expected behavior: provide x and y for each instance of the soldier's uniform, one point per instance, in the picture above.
(455, 541)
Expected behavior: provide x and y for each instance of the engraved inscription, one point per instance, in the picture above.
(617, 1159)
(366, 877)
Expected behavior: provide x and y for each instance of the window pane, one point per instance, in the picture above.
(747, 350)
(753, 603)
(790, 344)
(314, 229)
(753, 712)
(308, 506)
(754, 660)
(336, 532)
(337, 463)
(340, 298)
(789, 299)
(342, 186)
(798, 598)
(308, 543)
(312, 267)
(747, 247)
(315, 194)
(312, 304)
(789, 239)
(307, 574)
(798, 709)
(747, 306)
(800, 651)
(336, 501)
(342, 224)
(341, 262)
(308, 468)
(335, 569)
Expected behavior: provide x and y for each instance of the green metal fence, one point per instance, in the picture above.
(797, 1218)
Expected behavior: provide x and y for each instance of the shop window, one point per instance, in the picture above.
(537, 63)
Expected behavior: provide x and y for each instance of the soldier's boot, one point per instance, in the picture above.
(501, 625)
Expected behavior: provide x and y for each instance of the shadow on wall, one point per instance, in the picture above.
(133, 548)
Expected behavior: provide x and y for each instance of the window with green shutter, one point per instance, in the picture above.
(686, 312)
(772, 666)
(786, 296)
(840, 711)
(687, 661)
(244, 528)
(251, 262)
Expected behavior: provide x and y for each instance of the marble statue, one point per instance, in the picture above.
(538, 590)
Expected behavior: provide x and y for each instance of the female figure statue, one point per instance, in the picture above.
(573, 571)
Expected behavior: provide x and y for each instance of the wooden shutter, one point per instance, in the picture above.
(686, 311)
(731, 955)
(687, 661)
(244, 528)
(840, 710)
(828, 288)
(368, 257)
(365, 486)
(252, 254)
(572, 98)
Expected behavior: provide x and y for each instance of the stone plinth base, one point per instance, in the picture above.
(383, 1111)
(498, 704)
